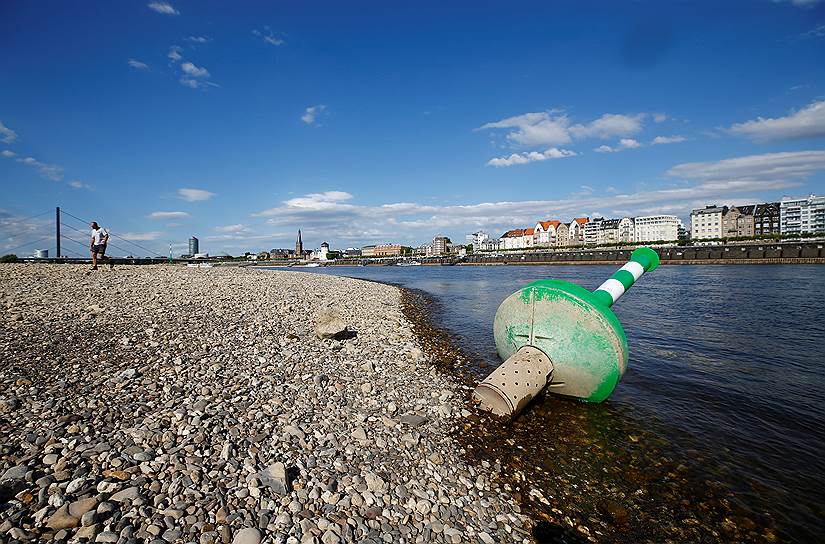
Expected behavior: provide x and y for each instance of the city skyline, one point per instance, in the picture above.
(242, 126)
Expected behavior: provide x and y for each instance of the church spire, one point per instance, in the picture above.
(299, 246)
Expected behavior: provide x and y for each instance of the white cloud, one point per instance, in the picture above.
(231, 229)
(199, 39)
(537, 128)
(808, 122)
(609, 125)
(168, 215)
(661, 140)
(268, 36)
(312, 113)
(137, 64)
(7, 135)
(554, 128)
(163, 8)
(48, 171)
(141, 236)
(660, 117)
(174, 53)
(194, 195)
(77, 184)
(624, 143)
(531, 156)
(778, 167)
(192, 70)
(816, 32)
(7, 153)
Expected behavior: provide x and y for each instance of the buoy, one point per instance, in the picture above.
(556, 334)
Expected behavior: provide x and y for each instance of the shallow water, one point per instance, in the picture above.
(719, 419)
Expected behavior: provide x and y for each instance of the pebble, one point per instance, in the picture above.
(214, 412)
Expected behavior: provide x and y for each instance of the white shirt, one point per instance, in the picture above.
(99, 234)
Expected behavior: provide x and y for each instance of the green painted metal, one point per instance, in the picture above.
(574, 327)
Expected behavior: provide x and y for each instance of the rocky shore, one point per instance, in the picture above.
(170, 404)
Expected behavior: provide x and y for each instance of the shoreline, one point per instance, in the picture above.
(169, 420)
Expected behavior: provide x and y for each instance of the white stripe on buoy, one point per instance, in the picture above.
(613, 287)
(634, 268)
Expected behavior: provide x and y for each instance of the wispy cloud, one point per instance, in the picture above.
(236, 228)
(624, 143)
(48, 171)
(199, 39)
(174, 53)
(815, 33)
(141, 236)
(194, 71)
(554, 127)
(312, 113)
(77, 184)
(163, 8)
(138, 65)
(268, 36)
(798, 3)
(660, 117)
(661, 140)
(168, 215)
(194, 195)
(531, 156)
(786, 166)
(809, 122)
(7, 135)
(8, 153)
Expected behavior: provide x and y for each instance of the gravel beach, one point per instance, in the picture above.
(173, 404)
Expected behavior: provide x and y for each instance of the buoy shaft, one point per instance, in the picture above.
(642, 260)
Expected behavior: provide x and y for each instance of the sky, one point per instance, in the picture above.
(378, 122)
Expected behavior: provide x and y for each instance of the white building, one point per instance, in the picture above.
(652, 228)
(544, 233)
(477, 238)
(707, 222)
(491, 244)
(513, 239)
(802, 215)
(324, 252)
(575, 232)
(593, 231)
(627, 229)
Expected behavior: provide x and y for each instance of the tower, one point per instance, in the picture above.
(299, 246)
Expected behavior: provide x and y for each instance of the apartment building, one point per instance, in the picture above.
(707, 222)
(652, 228)
(802, 215)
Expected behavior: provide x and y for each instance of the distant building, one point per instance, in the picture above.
(802, 215)
(562, 234)
(512, 239)
(193, 246)
(440, 245)
(529, 237)
(545, 232)
(652, 228)
(575, 235)
(627, 230)
(766, 218)
(491, 244)
(299, 246)
(707, 223)
(387, 250)
(737, 222)
(263, 256)
(609, 231)
(593, 231)
(323, 253)
(352, 252)
(477, 238)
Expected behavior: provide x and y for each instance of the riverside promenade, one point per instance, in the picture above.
(172, 404)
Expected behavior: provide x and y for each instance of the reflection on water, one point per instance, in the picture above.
(718, 423)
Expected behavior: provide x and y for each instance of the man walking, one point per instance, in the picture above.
(100, 237)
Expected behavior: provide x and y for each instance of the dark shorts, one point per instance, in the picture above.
(100, 249)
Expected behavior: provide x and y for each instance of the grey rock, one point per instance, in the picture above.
(330, 324)
(275, 476)
(248, 535)
(107, 536)
(15, 473)
(128, 494)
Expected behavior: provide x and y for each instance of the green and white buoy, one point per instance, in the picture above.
(556, 334)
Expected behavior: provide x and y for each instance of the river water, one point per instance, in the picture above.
(717, 429)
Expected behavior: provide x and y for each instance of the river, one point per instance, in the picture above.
(717, 429)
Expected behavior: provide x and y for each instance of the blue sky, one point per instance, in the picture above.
(382, 122)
